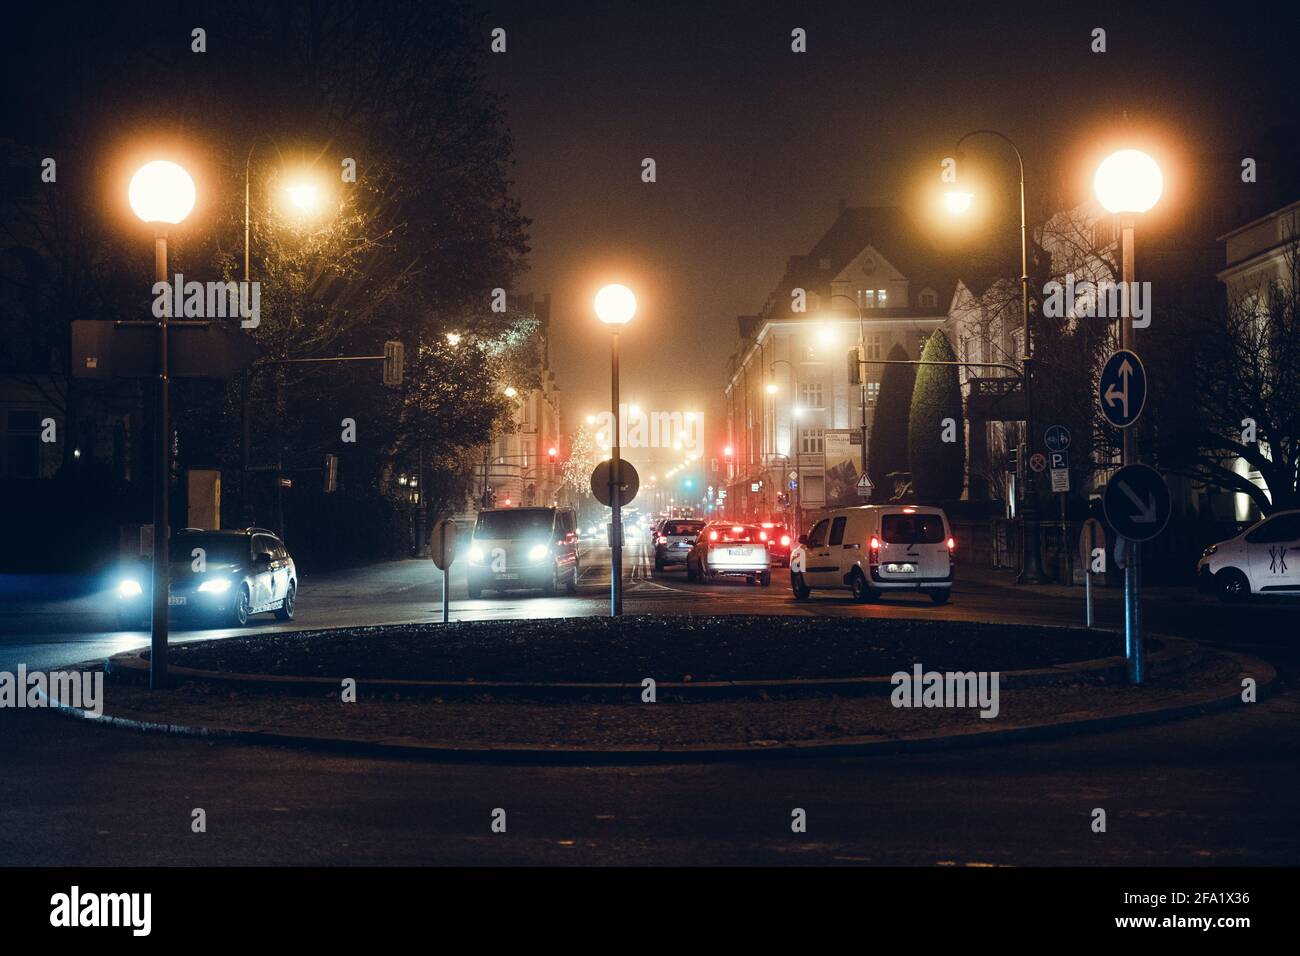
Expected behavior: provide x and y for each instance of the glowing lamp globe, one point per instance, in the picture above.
(615, 305)
(1128, 181)
(957, 202)
(161, 191)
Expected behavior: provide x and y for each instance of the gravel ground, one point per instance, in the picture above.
(666, 648)
(486, 720)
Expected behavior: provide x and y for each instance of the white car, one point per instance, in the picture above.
(1263, 559)
(723, 549)
(874, 549)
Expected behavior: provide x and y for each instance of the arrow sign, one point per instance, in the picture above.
(1137, 502)
(1122, 388)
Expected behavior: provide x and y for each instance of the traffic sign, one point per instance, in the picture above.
(1122, 388)
(195, 349)
(442, 547)
(1057, 438)
(1091, 537)
(1137, 502)
(1058, 459)
(1038, 462)
(630, 483)
(1060, 480)
(864, 486)
(793, 476)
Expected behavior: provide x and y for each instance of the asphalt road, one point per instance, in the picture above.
(1215, 790)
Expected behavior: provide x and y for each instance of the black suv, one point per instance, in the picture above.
(219, 575)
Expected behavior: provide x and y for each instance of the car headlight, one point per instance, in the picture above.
(475, 554)
(129, 588)
(538, 552)
(215, 585)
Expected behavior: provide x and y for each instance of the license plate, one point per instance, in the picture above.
(176, 600)
(681, 544)
(901, 568)
(740, 552)
(507, 577)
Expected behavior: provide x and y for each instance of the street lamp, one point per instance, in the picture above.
(1031, 569)
(162, 194)
(1129, 182)
(615, 305)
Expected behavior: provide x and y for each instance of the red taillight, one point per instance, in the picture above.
(737, 530)
(762, 536)
(952, 544)
(875, 543)
(785, 541)
(663, 540)
(713, 536)
(768, 524)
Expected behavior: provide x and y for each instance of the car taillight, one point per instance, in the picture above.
(875, 543)
(874, 546)
(713, 536)
(785, 541)
(762, 536)
(952, 544)
(663, 540)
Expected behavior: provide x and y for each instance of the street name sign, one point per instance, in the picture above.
(1122, 388)
(1137, 502)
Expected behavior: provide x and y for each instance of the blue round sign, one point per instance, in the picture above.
(1057, 438)
(1137, 502)
(1122, 388)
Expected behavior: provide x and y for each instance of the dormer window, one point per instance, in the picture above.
(928, 299)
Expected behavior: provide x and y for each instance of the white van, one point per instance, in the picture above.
(873, 549)
(1263, 559)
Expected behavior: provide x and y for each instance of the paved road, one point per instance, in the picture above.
(1219, 789)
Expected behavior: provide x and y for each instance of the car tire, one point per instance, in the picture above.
(285, 611)
(475, 591)
(799, 586)
(659, 565)
(765, 579)
(941, 595)
(862, 592)
(691, 576)
(552, 586)
(572, 586)
(1231, 586)
(239, 613)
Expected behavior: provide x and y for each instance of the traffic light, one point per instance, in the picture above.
(331, 473)
(855, 366)
(553, 455)
(394, 360)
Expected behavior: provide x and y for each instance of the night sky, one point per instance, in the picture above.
(756, 145)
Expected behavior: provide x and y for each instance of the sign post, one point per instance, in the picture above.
(443, 551)
(1092, 536)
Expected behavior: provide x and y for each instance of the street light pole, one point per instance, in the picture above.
(615, 487)
(862, 388)
(1031, 568)
(162, 479)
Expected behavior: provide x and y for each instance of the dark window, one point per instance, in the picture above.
(912, 529)
(837, 531)
(515, 523)
(1281, 528)
(263, 542)
(217, 548)
(818, 536)
(683, 527)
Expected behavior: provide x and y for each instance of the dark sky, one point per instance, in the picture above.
(756, 145)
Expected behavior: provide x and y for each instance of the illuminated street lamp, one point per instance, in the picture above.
(957, 202)
(162, 194)
(1129, 182)
(510, 391)
(453, 339)
(615, 305)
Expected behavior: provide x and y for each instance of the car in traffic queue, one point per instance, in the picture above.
(872, 550)
(779, 543)
(1263, 559)
(673, 540)
(724, 549)
(524, 548)
(219, 576)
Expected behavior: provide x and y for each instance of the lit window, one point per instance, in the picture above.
(810, 394)
(873, 394)
(811, 441)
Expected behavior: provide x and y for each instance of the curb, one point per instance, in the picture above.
(1193, 704)
(1175, 654)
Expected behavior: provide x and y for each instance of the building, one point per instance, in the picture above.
(790, 407)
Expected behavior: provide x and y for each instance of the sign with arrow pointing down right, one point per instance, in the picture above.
(1137, 502)
(1122, 388)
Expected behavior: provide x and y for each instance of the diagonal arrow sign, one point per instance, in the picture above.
(1146, 510)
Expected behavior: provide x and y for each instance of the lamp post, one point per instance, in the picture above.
(794, 442)
(1031, 569)
(1129, 182)
(161, 194)
(615, 306)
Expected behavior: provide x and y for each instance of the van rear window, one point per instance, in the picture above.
(912, 529)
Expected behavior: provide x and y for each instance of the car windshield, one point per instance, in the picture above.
(683, 527)
(217, 548)
(515, 523)
(912, 529)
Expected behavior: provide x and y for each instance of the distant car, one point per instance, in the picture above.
(723, 549)
(520, 548)
(673, 540)
(1263, 559)
(873, 549)
(219, 575)
(778, 542)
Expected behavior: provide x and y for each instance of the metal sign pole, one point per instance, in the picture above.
(162, 477)
(446, 594)
(615, 477)
(1132, 566)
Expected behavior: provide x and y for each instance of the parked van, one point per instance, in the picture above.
(524, 548)
(873, 549)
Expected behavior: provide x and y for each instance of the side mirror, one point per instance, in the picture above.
(263, 557)
(803, 539)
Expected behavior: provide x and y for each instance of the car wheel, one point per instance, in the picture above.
(285, 611)
(242, 604)
(751, 580)
(941, 596)
(659, 564)
(800, 587)
(690, 572)
(861, 589)
(475, 591)
(765, 579)
(1231, 586)
(552, 585)
(572, 586)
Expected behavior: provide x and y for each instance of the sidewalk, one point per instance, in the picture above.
(1005, 578)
